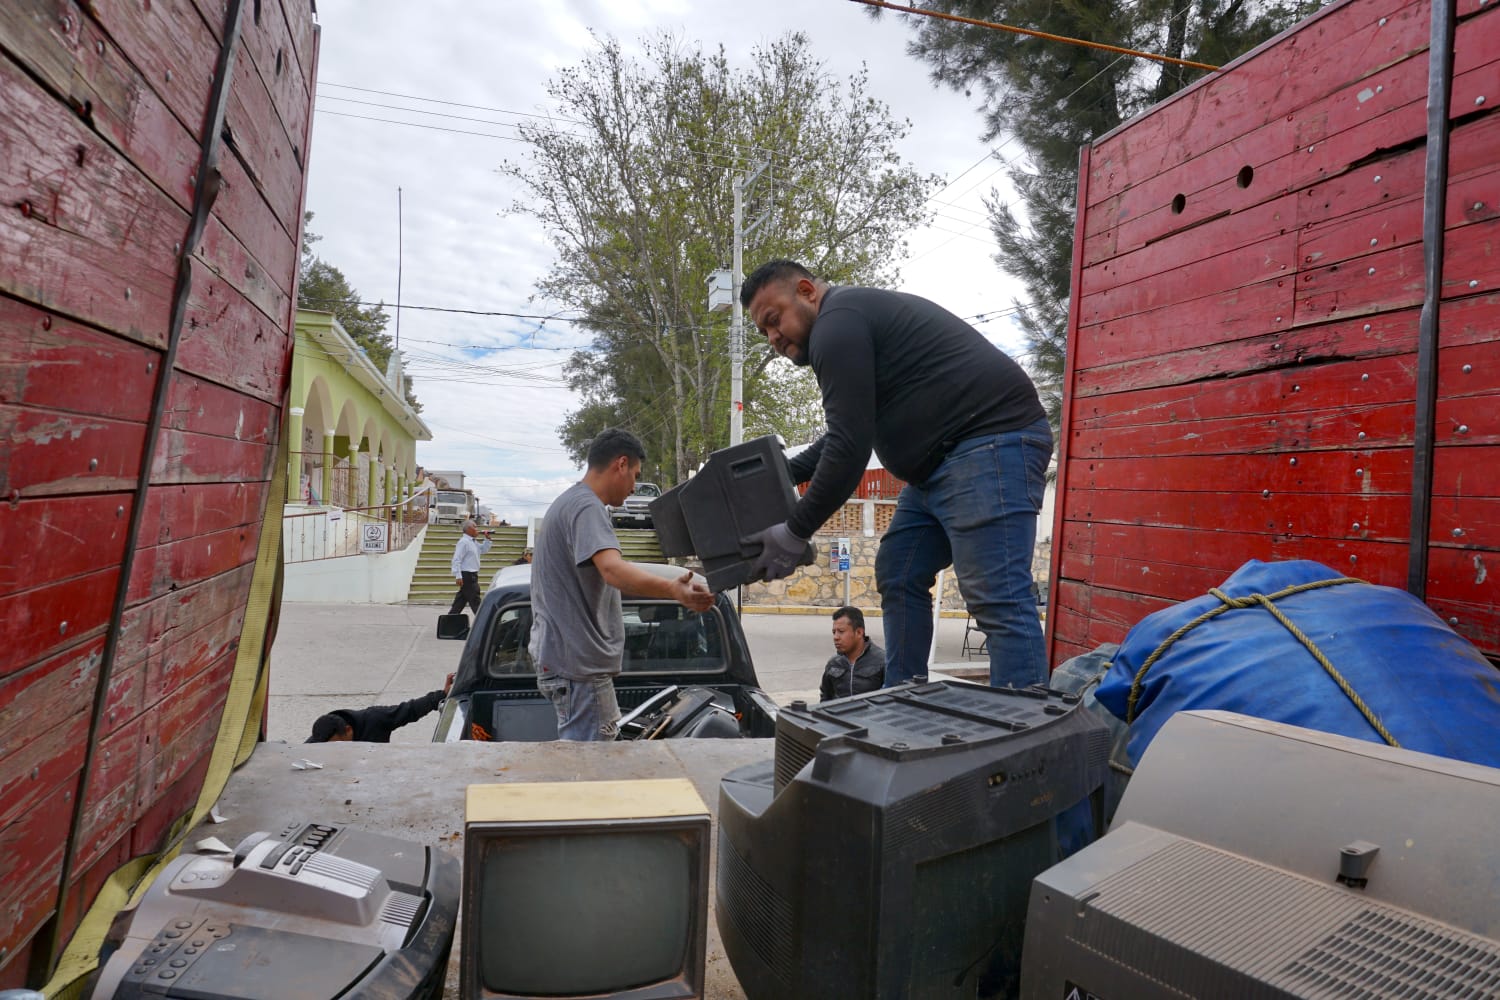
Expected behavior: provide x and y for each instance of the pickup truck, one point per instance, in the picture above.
(635, 512)
(685, 674)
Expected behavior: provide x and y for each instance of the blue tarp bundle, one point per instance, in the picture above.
(1428, 686)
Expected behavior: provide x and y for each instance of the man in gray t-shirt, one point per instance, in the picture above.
(577, 573)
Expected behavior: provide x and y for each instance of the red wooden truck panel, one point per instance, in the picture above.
(1242, 357)
(101, 131)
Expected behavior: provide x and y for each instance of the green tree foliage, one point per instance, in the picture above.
(320, 285)
(633, 180)
(1050, 98)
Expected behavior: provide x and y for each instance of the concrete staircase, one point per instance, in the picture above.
(432, 581)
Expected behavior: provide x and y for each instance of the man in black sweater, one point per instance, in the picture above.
(947, 412)
(376, 723)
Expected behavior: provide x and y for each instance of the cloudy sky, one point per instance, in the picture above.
(465, 73)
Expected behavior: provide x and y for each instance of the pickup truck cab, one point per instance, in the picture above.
(685, 674)
(635, 512)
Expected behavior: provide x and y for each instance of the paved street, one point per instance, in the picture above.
(329, 656)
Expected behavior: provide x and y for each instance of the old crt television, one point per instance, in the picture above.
(584, 889)
(316, 911)
(889, 851)
(1255, 859)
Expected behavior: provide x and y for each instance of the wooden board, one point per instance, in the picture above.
(111, 101)
(1243, 338)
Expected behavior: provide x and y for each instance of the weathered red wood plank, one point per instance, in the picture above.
(86, 884)
(1322, 140)
(171, 43)
(79, 534)
(263, 147)
(1393, 279)
(110, 798)
(94, 240)
(1379, 516)
(1133, 557)
(66, 49)
(31, 774)
(200, 407)
(1345, 43)
(162, 807)
(228, 341)
(303, 34)
(1368, 472)
(1241, 313)
(31, 857)
(201, 458)
(264, 275)
(1106, 614)
(269, 45)
(46, 453)
(161, 568)
(1281, 155)
(1204, 279)
(1265, 395)
(51, 363)
(1062, 652)
(180, 512)
(38, 622)
(146, 628)
(171, 666)
(73, 55)
(1132, 366)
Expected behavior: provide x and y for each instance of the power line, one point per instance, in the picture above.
(451, 309)
(1033, 33)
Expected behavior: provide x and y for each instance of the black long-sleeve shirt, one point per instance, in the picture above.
(901, 376)
(375, 724)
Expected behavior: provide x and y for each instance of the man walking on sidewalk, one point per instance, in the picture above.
(466, 567)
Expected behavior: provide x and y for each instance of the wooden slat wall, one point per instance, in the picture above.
(1243, 357)
(100, 131)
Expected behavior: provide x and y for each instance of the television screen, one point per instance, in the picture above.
(594, 889)
(533, 923)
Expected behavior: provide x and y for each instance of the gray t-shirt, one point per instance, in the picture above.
(576, 628)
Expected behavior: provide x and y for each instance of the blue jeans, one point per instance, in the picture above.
(586, 710)
(978, 511)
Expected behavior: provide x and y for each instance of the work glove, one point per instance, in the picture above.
(781, 552)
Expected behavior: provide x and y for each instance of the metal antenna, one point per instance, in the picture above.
(398, 269)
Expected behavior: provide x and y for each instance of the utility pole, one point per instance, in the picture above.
(737, 317)
(737, 321)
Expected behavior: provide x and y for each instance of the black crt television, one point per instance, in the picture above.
(1255, 859)
(740, 490)
(584, 889)
(889, 850)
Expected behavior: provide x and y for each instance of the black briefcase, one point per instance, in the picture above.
(453, 626)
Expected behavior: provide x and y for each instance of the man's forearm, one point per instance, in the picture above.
(631, 579)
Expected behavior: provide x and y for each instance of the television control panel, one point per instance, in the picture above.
(311, 911)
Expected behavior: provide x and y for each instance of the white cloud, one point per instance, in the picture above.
(463, 248)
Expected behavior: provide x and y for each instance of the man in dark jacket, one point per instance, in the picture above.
(947, 412)
(374, 724)
(858, 665)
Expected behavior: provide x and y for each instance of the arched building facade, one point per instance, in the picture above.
(354, 437)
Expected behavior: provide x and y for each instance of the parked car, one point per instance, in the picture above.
(686, 674)
(636, 511)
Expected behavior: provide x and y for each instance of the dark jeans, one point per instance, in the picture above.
(467, 594)
(978, 511)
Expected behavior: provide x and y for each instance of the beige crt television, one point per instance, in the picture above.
(585, 889)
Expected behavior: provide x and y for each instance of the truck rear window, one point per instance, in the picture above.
(660, 638)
